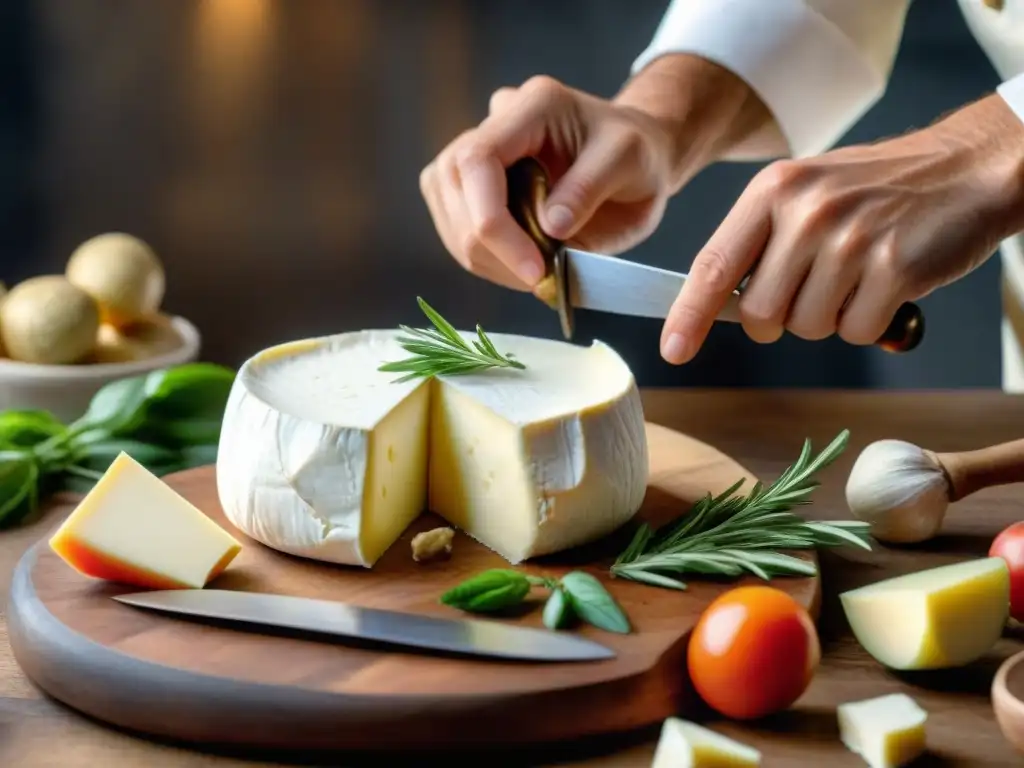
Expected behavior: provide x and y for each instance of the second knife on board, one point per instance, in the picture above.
(330, 618)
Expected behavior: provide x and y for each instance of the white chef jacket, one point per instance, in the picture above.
(819, 65)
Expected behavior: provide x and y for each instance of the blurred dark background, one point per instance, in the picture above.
(270, 151)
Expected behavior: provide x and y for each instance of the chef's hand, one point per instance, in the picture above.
(841, 240)
(612, 163)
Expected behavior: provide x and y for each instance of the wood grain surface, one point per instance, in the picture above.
(762, 430)
(182, 679)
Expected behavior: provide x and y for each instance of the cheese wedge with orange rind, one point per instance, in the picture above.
(133, 528)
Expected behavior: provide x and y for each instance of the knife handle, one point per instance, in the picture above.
(905, 331)
(528, 187)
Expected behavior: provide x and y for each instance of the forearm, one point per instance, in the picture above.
(986, 139)
(710, 113)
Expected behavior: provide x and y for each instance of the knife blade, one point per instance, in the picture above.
(333, 619)
(608, 284)
(578, 279)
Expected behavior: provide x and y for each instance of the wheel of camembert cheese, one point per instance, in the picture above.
(324, 456)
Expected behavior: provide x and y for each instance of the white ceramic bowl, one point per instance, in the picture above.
(65, 390)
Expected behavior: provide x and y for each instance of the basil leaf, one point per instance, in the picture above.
(492, 590)
(194, 391)
(99, 455)
(19, 477)
(118, 406)
(198, 455)
(191, 456)
(558, 610)
(593, 603)
(179, 433)
(24, 429)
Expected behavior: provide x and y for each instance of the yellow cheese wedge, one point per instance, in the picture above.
(686, 745)
(942, 617)
(132, 528)
(887, 731)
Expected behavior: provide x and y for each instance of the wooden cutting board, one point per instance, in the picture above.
(217, 685)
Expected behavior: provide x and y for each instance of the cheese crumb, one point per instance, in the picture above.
(432, 545)
(887, 731)
(687, 745)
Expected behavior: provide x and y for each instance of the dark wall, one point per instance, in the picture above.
(270, 151)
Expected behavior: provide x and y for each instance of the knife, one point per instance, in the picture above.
(580, 280)
(333, 619)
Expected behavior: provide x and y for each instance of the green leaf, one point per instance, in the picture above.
(190, 392)
(98, 456)
(441, 350)
(493, 590)
(729, 535)
(25, 429)
(198, 455)
(19, 478)
(191, 456)
(116, 407)
(180, 433)
(558, 610)
(593, 603)
(650, 577)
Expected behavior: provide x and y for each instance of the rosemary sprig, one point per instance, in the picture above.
(729, 535)
(442, 350)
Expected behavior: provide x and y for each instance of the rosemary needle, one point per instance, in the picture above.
(729, 535)
(442, 350)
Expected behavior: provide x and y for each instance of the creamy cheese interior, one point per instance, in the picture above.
(336, 380)
(493, 452)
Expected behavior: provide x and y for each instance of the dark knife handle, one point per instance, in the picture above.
(528, 187)
(905, 331)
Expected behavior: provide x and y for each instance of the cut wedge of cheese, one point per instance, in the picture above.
(686, 745)
(887, 731)
(942, 617)
(324, 456)
(134, 529)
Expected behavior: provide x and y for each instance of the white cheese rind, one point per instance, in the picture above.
(323, 456)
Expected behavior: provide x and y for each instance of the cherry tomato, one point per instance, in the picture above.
(753, 652)
(1009, 545)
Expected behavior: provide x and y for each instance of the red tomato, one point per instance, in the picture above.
(1009, 545)
(753, 652)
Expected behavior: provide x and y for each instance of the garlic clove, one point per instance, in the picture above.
(900, 490)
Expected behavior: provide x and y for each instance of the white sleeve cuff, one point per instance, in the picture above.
(1012, 92)
(811, 76)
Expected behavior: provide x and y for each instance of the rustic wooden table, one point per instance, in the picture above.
(763, 430)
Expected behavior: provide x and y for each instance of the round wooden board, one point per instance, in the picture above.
(196, 682)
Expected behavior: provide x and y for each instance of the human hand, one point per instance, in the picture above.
(612, 163)
(608, 165)
(841, 240)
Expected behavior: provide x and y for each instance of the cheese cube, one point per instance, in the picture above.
(324, 456)
(686, 745)
(941, 617)
(133, 528)
(887, 731)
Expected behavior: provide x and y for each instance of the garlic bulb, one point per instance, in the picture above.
(900, 490)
